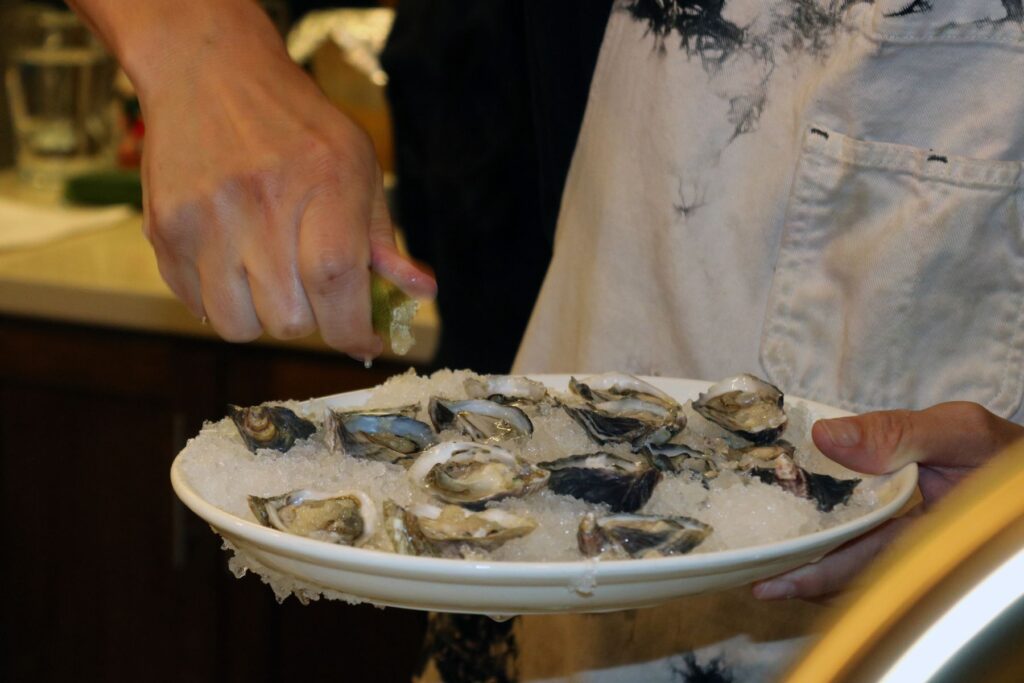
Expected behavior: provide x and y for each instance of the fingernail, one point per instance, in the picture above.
(842, 432)
(423, 283)
(775, 590)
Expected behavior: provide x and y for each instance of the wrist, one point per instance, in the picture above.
(161, 42)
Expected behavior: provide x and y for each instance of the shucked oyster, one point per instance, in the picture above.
(826, 491)
(677, 458)
(472, 474)
(273, 427)
(451, 531)
(745, 405)
(345, 517)
(629, 421)
(622, 484)
(506, 389)
(643, 536)
(612, 386)
(757, 456)
(480, 419)
(621, 408)
(385, 437)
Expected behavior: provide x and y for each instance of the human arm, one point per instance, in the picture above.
(948, 441)
(263, 203)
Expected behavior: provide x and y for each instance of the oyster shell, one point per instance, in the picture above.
(385, 437)
(344, 517)
(629, 421)
(480, 419)
(622, 484)
(674, 458)
(639, 536)
(825, 490)
(615, 385)
(273, 427)
(472, 474)
(451, 531)
(506, 389)
(745, 405)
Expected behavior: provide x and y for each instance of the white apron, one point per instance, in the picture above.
(824, 193)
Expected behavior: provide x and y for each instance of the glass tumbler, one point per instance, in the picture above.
(59, 83)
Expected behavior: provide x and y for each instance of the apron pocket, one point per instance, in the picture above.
(900, 279)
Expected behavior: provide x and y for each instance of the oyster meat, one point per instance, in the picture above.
(676, 458)
(745, 405)
(472, 474)
(622, 484)
(382, 436)
(344, 517)
(480, 419)
(753, 456)
(451, 531)
(273, 427)
(639, 536)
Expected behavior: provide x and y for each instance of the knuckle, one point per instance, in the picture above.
(890, 428)
(173, 235)
(354, 155)
(974, 418)
(331, 271)
(887, 431)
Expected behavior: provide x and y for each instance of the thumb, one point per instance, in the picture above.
(955, 435)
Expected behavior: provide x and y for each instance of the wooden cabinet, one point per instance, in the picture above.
(107, 576)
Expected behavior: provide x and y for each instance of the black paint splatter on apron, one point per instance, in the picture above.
(702, 29)
(797, 26)
(916, 7)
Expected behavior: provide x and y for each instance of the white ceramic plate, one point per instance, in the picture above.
(505, 588)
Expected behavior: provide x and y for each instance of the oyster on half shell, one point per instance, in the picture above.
(639, 536)
(472, 474)
(631, 421)
(745, 405)
(451, 531)
(826, 491)
(385, 436)
(506, 389)
(622, 484)
(273, 427)
(343, 517)
(480, 419)
(613, 386)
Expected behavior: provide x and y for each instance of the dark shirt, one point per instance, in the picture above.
(487, 100)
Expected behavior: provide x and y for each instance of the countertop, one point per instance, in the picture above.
(109, 277)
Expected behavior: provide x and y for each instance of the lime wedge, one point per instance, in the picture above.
(393, 311)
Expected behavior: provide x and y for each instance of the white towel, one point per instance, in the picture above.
(25, 224)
